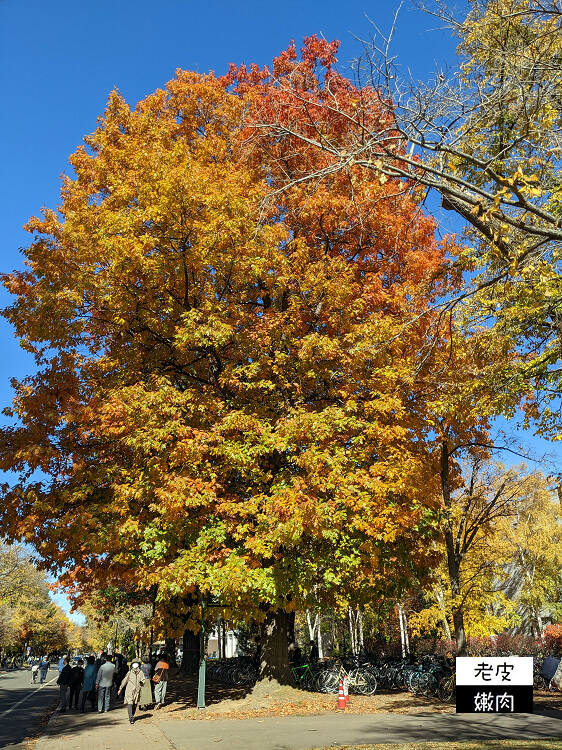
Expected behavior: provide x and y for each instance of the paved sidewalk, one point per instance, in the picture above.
(93, 731)
(112, 731)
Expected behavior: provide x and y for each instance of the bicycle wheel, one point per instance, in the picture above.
(414, 684)
(316, 684)
(446, 689)
(361, 682)
(402, 678)
(432, 684)
(373, 680)
(328, 681)
(357, 682)
(372, 683)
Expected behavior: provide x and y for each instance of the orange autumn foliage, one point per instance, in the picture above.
(228, 358)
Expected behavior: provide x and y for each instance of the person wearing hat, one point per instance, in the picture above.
(132, 682)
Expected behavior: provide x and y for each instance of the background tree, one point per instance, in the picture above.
(501, 534)
(28, 616)
(486, 137)
(535, 536)
(18, 575)
(116, 617)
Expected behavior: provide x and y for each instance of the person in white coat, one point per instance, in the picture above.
(132, 683)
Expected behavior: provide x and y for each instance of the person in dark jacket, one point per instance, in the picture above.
(123, 669)
(64, 683)
(43, 669)
(102, 658)
(313, 652)
(146, 696)
(76, 680)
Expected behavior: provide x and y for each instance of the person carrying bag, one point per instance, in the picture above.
(160, 680)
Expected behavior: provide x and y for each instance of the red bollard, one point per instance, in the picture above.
(341, 697)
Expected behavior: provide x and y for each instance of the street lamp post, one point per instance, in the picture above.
(202, 662)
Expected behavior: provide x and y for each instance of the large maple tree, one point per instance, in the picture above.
(225, 400)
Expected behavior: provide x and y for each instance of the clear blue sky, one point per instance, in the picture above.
(60, 59)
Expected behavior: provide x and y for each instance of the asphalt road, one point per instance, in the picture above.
(21, 704)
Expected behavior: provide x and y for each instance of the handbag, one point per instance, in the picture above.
(160, 674)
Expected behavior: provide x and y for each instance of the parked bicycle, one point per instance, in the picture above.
(304, 677)
(360, 679)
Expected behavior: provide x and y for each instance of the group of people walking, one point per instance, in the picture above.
(81, 684)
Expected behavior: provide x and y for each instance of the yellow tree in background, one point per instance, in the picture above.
(504, 525)
(28, 615)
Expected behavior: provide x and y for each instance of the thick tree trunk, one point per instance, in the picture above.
(291, 626)
(191, 652)
(171, 651)
(453, 557)
(274, 660)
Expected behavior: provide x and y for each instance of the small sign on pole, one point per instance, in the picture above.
(494, 684)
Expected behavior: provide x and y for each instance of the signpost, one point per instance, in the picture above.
(494, 684)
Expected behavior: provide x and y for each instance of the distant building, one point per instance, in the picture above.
(230, 642)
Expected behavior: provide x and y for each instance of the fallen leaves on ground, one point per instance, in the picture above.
(234, 702)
